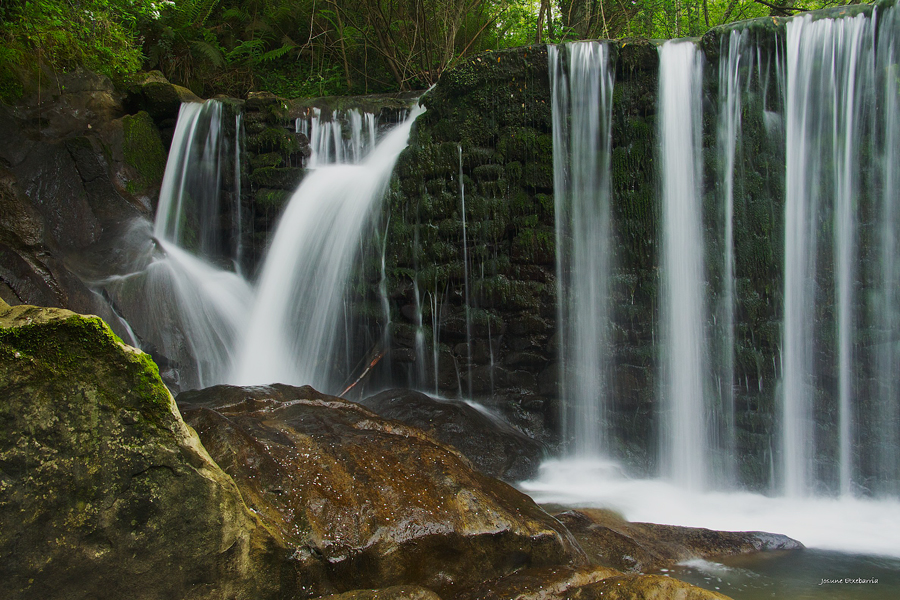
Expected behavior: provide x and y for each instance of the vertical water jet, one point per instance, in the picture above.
(685, 361)
(582, 84)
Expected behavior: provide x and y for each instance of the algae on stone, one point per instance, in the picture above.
(104, 491)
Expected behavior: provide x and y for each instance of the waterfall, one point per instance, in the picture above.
(887, 311)
(582, 103)
(290, 334)
(327, 140)
(684, 390)
(237, 213)
(729, 132)
(465, 249)
(190, 199)
(178, 301)
(780, 330)
(828, 74)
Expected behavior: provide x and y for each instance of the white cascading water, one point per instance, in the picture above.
(465, 249)
(833, 443)
(186, 308)
(236, 214)
(289, 336)
(685, 360)
(887, 458)
(582, 132)
(326, 137)
(828, 71)
(190, 196)
(729, 132)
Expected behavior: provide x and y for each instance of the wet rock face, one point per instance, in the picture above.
(492, 445)
(74, 171)
(537, 584)
(104, 492)
(644, 587)
(485, 142)
(398, 592)
(610, 540)
(364, 502)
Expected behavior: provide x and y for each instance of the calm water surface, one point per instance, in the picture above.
(797, 575)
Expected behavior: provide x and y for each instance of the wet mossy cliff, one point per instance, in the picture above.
(484, 311)
(470, 274)
(486, 140)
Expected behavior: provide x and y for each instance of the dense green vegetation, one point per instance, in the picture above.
(322, 47)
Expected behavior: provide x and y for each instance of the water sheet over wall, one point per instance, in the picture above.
(295, 324)
(777, 346)
(582, 84)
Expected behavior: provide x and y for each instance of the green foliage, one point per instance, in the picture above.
(325, 47)
(100, 35)
(663, 19)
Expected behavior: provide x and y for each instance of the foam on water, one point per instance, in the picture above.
(845, 524)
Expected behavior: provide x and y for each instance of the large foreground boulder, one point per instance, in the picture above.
(494, 446)
(366, 502)
(104, 492)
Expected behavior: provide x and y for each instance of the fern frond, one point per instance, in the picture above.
(276, 53)
(246, 48)
(210, 52)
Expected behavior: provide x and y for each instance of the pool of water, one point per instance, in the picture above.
(849, 525)
(796, 575)
(852, 544)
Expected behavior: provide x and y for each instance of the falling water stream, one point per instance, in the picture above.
(685, 360)
(289, 336)
(582, 88)
(825, 97)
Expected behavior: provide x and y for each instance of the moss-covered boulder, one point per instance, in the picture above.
(366, 502)
(143, 153)
(584, 583)
(547, 583)
(104, 492)
(155, 94)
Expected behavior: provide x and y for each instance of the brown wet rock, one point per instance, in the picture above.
(642, 587)
(398, 592)
(104, 492)
(366, 502)
(547, 583)
(495, 447)
(610, 540)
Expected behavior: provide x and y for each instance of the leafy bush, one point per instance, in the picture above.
(101, 35)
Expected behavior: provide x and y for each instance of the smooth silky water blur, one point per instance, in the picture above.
(832, 487)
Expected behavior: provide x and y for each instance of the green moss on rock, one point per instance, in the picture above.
(143, 151)
(283, 178)
(104, 491)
